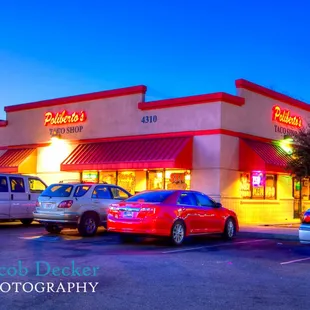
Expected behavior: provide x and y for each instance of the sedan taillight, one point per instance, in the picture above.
(150, 210)
(306, 217)
(65, 204)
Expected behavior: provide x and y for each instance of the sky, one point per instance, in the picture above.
(51, 49)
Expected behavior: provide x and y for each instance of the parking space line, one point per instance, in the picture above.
(213, 246)
(295, 261)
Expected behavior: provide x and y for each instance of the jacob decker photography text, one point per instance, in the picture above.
(41, 269)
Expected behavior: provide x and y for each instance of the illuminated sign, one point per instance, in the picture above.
(257, 179)
(63, 118)
(285, 117)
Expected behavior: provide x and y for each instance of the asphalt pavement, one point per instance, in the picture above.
(207, 272)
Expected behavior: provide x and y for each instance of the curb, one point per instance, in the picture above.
(247, 234)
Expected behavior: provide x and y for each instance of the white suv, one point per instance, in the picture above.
(18, 196)
(81, 206)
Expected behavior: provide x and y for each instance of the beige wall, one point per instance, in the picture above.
(112, 117)
(56, 177)
(255, 117)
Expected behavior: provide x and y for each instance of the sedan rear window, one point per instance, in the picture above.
(58, 190)
(157, 196)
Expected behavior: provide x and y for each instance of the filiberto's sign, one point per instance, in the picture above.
(284, 117)
(64, 118)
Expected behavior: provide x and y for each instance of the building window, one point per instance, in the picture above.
(177, 179)
(107, 177)
(301, 187)
(257, 185)
(270, 186)
(127, 180)
(245, 186)
(90, 176)
(296, 188)
(155, 180)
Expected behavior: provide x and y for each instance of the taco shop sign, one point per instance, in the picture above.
(63, 119)
(287, 123)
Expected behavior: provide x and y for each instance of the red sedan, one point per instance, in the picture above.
(172, 213)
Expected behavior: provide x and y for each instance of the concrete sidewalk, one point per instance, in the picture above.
(281, 232)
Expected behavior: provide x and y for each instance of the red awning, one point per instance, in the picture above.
(13, 158)
(262, 156)
(173, 152)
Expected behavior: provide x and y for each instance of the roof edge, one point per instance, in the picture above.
(190, 100)
(267, 92)
(78, 98)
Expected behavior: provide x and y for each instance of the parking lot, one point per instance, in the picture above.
(248, 273)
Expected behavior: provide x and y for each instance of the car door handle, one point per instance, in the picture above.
(96, 201)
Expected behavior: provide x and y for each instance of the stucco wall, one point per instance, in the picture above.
(255, 117)
(112, 117)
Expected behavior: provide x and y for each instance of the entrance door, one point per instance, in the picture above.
(301, 193)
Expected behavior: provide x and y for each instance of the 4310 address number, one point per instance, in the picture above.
(149, 119)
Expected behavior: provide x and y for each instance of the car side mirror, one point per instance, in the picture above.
(218, 205)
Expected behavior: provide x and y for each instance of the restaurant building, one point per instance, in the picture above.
(232, 147)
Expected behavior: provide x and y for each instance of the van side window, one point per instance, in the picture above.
(36, 186)
(4, 188)
(17, 185)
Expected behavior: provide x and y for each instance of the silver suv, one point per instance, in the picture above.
(76, 205)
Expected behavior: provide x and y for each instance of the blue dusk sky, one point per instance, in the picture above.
(51, 49)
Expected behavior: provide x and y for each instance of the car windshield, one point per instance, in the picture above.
(58, 190)
(156, 196)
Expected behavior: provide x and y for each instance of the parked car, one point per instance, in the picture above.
(18, 196)
(82, 206)
(304, 229)
(171, 213)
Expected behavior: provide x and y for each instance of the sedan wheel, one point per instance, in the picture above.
(178, 233)
(230, 229)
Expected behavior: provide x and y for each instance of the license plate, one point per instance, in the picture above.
(48, 205)
(128, 214)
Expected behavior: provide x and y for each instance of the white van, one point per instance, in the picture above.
(18, 196)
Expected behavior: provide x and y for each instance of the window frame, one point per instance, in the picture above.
(275, 176)
(36, 191)
(79, 186)
(7, 184)
(188, 194)
(14, 178)
(101, 186)
(204, 195)
(119, 189)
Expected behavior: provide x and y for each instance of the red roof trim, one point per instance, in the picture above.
(148, 136)
(241, 83)
(78, 98)
(3, 123)
(198, 99)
